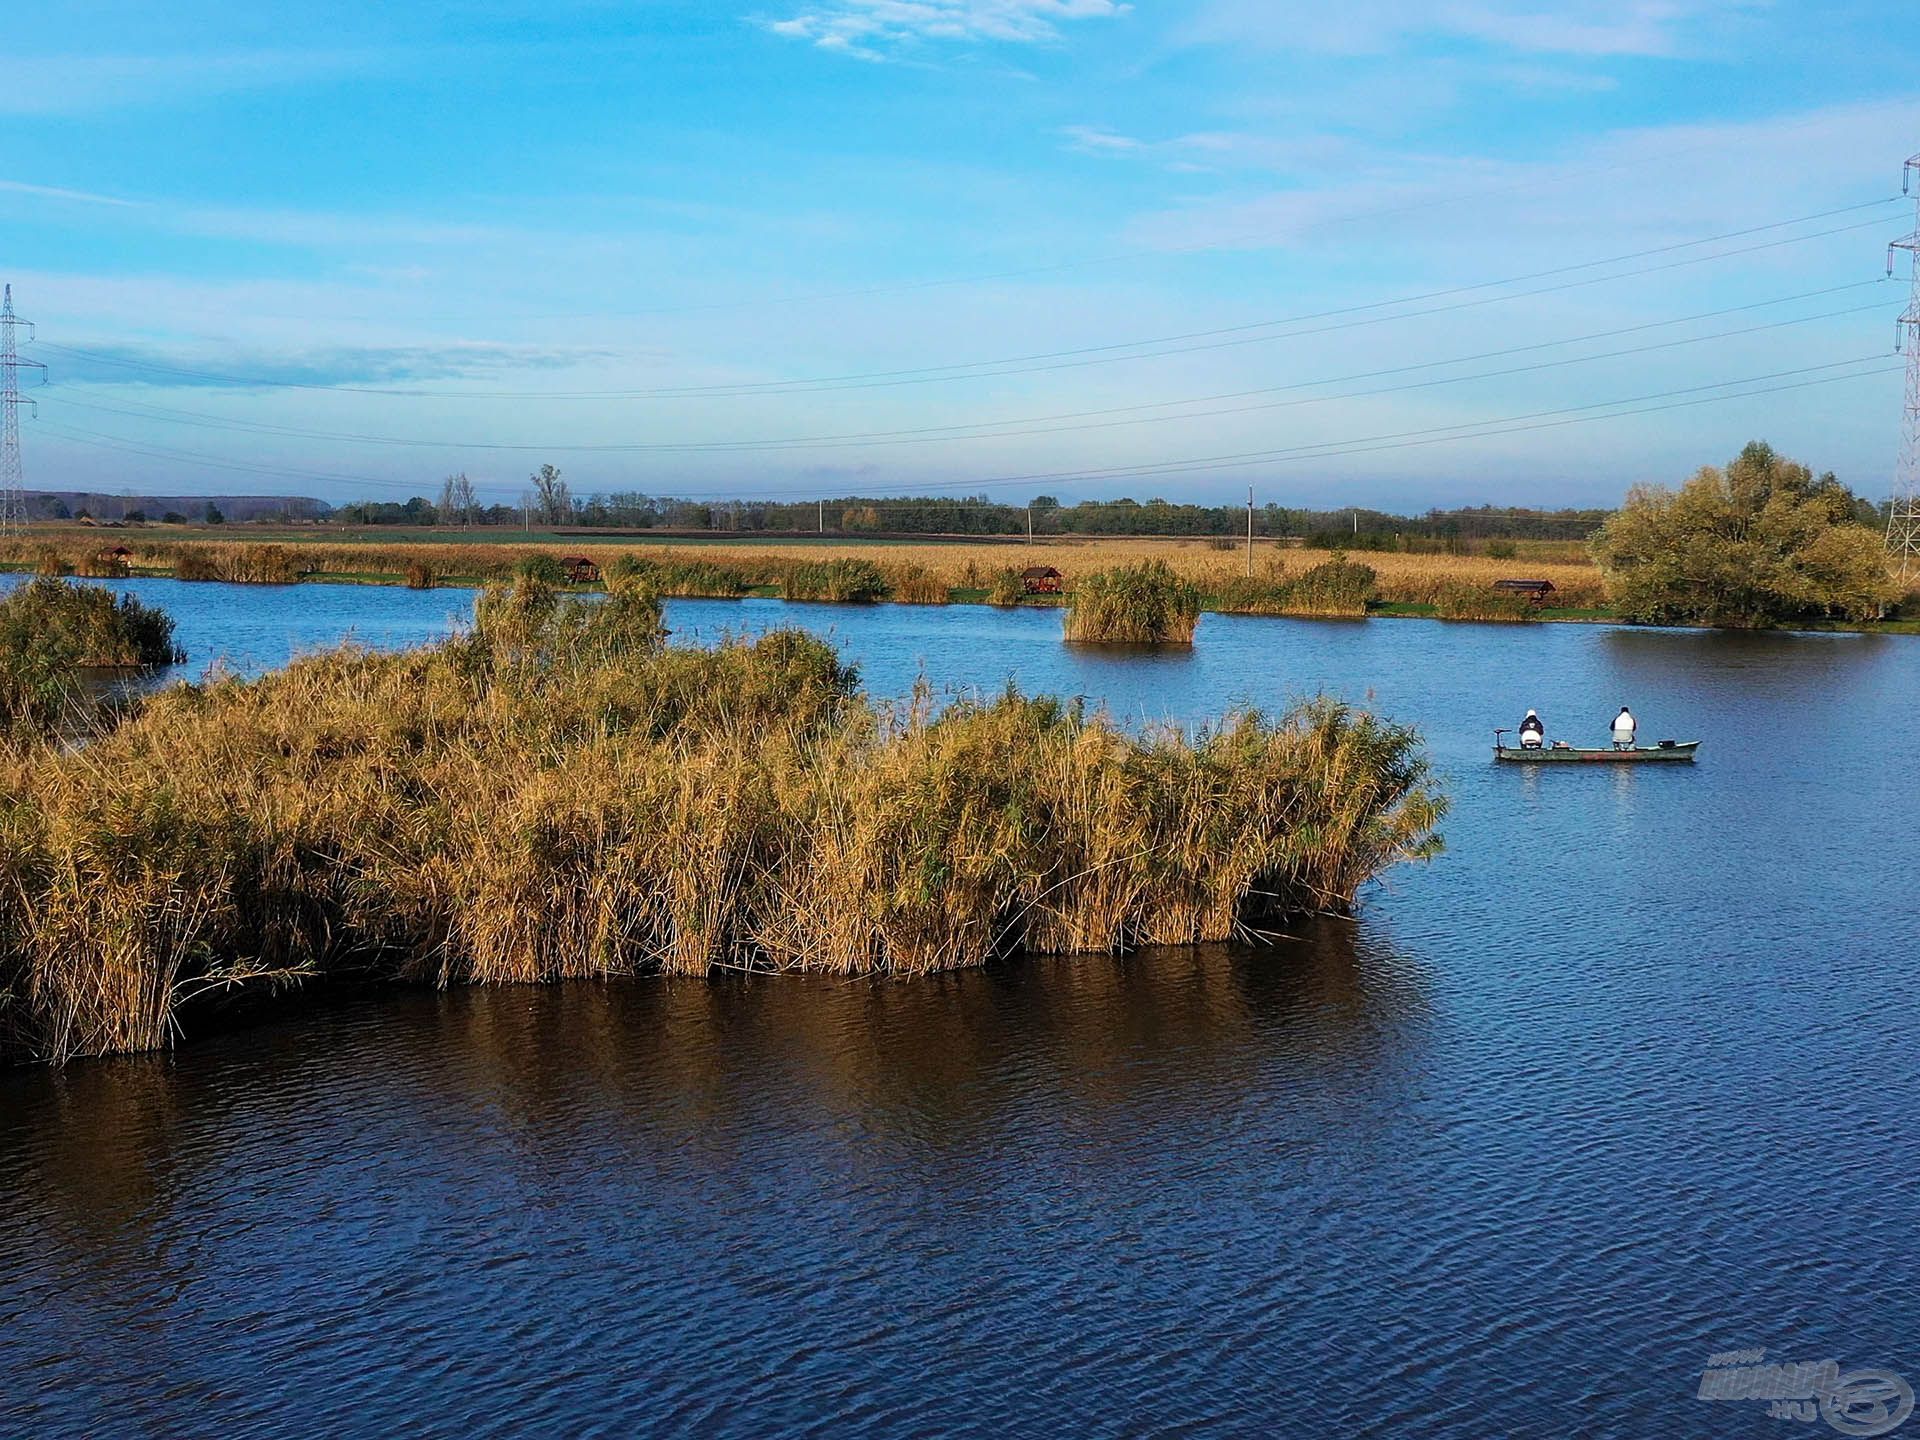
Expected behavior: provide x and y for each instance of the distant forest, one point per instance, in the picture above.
(1359, 528)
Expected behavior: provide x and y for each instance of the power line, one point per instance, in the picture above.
(1537, 420)
(997, 430)
(1082, 356)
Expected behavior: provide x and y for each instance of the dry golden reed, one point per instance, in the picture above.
(731, 568)
(1146, 604)
(557, 795)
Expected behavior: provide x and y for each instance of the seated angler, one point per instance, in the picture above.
(1623, 727)
(1533, 734)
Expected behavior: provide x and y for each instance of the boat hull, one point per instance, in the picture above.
(1678, 754)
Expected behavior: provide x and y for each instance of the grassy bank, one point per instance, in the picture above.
(557, 795)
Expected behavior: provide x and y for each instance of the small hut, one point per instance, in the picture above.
(1536, 591)
(580, 570)
(117, 562)
(1041, 580)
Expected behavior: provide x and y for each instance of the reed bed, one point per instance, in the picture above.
(843, 581)
(1462, 601)
(1335, 587)
(1146, 604)
(51, 633)
(555, 794)
(724, 570)
(916, 585)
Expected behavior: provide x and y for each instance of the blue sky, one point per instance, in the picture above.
(1017, 246)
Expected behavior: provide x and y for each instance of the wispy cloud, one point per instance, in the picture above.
(329, 365)
(1636, 185)
(1577, 28)
(1095, 140)
(82, 84)
(876, 29)
(1214, 150)
(57, 192)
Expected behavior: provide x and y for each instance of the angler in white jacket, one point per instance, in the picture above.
(1623, 728)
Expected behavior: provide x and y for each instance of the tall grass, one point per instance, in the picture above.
(731, 569)
(1133, 604)
(842, 581)
(238, 564)
(1462, 601)
(1006, 587)
(916, 585)
(673, 575)
(1334, 587)
(556, 794)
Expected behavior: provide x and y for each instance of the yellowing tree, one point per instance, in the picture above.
(1757, 543)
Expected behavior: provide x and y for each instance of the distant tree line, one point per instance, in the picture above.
(548, 501)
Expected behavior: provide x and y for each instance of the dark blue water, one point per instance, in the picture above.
(1626, 1078)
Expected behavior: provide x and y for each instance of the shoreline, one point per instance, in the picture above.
(960, 595)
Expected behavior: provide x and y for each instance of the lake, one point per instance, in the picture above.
(1625, 1079)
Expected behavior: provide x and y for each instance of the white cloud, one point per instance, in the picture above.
(870, 29)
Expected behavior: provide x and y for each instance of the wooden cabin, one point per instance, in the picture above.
(580, 570)
(1536, 591)
(1041, 580)
(117, 562)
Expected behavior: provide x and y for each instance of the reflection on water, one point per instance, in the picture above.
(1623, 1079)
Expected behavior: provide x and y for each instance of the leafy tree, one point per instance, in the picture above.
(173, 517)
(1759, 542)
(214, 517)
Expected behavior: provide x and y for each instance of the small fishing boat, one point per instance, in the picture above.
(1561, 753)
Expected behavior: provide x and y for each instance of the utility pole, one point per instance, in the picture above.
(823, 515)
(1029, 524)
(1249, 532)
(1903, 509)
(13, 494)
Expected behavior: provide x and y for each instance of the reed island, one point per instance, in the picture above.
(557, 793)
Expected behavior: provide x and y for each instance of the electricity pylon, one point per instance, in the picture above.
(13, 495)
(1903, 512)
